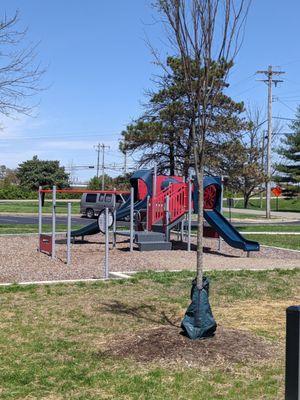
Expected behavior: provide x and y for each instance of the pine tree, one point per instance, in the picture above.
(289, 168)
(164, 132)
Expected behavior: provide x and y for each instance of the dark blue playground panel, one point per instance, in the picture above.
(147, 177)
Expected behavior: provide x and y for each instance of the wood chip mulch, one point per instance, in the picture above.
(20, 261)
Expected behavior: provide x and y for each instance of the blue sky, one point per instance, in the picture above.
(99, 67)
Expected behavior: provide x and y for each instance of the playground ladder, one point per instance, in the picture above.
(178, 205)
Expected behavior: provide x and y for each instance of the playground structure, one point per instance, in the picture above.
(162, 203)
(157, 206)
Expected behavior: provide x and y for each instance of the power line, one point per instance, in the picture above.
(290, 108)
(286, 119)
(247, 90)
(290, 62)
(241, 81)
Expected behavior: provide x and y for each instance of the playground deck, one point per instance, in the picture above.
(21, 262)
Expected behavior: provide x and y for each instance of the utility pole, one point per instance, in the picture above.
(125, 162)
(262, 164)
(101, 147)
(269, 73)
(98, 149)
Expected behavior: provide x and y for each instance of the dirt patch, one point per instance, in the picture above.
(168, 344)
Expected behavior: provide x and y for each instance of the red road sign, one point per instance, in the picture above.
(277, 191)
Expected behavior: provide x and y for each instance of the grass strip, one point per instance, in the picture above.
(53, 337)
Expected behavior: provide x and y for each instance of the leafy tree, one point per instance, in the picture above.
(289, 168)
(95, 183)
(2, 171)
(164, 132)
(34, 173)
(121, 182)
(8, 176)
(240, 162)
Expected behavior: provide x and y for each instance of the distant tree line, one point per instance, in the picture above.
(24, 181)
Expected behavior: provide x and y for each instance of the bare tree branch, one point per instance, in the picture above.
(20, 73)
(194, 28)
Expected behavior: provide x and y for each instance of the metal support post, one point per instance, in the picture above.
(147, 212)
(69, 233)
(292, 363)
(53, 221)
(40, 215)
(221, 210)
(167, 211)
(115, 219)
(189, 214)
(182, 230)
(106, 260)
(154, 190)
(131, 218)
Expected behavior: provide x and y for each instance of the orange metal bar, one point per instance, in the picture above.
(84, 191)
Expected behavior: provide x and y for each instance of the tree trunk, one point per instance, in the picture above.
(199, 169)
(200, 230)
(246, 200)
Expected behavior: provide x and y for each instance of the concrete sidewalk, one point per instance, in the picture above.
(276, 214)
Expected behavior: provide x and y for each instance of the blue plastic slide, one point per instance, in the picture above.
(228, 232)
(90, 229)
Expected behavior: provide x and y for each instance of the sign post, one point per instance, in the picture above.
(277, 191)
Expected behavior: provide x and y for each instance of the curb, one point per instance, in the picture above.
(281, 248)
(128, 274)
(269, 233)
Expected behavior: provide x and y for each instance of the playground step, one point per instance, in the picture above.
(158, 227)
(149, 237)
(151, 246)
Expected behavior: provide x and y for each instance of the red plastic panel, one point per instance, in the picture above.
(142, 189)
(210, 197)
(46, 244)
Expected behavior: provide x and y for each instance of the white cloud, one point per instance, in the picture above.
(66, 145)
(12, 128)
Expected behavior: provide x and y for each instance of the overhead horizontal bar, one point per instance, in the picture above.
(84, 191)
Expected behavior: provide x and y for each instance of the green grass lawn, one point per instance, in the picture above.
(32, 207)
(269, 228)
(285, 241)
(283, 204)
(32, 228)
(57, 342)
